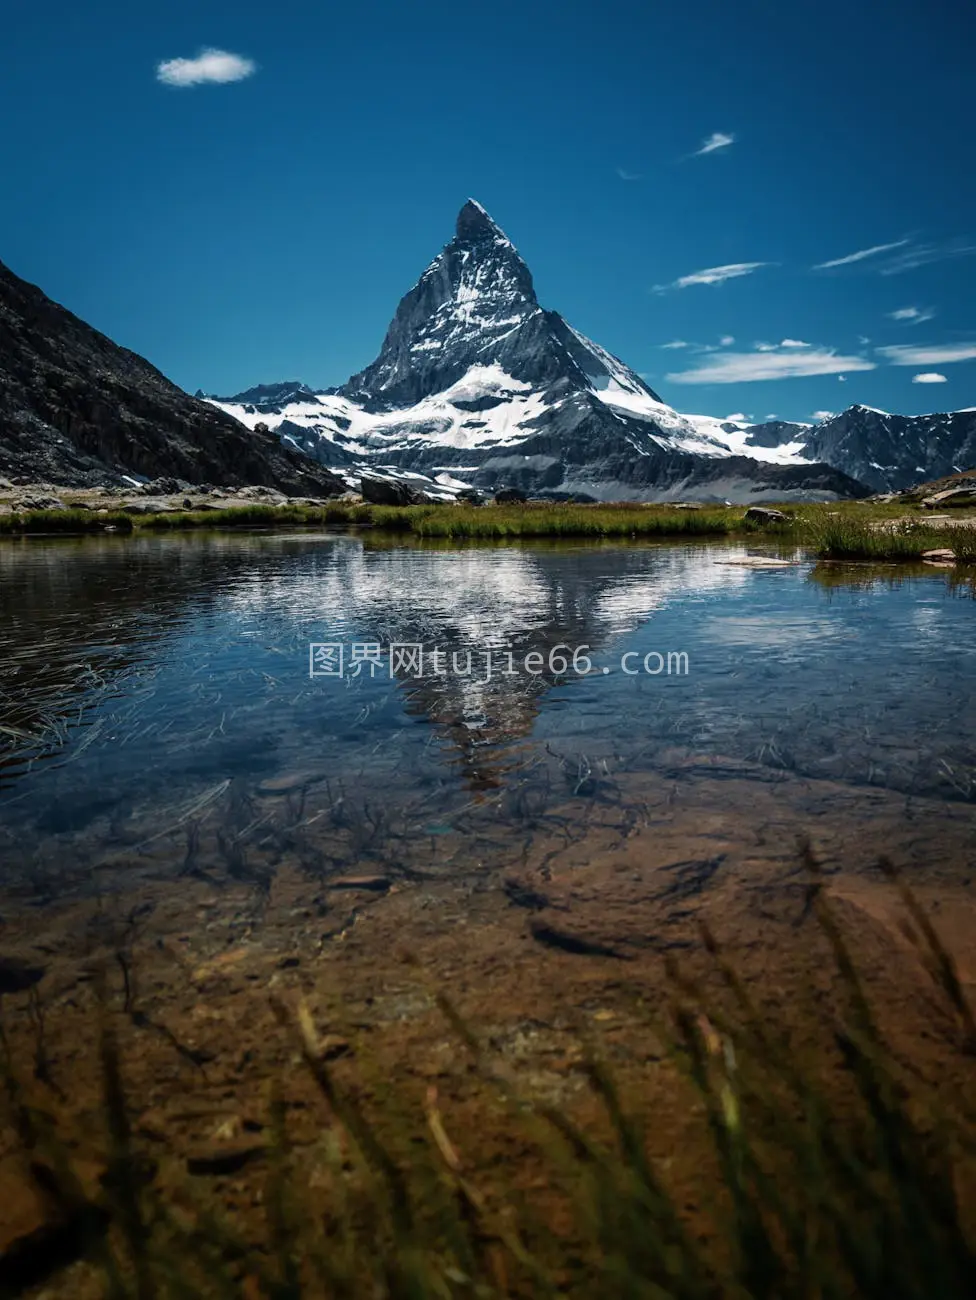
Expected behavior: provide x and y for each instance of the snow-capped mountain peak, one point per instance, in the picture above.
(474, 377)
(476, 294)
(474, 223)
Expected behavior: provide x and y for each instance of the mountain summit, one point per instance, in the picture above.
(474, 223)
(478, 381)
(474, 309)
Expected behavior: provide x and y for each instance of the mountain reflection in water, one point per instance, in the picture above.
(153, 686)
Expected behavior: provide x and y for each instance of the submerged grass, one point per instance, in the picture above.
(818, 1198)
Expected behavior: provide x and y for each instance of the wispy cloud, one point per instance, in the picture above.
(674, 345)
(861, 254)
(824, 415)
(717, 140)
(902, 354)
(912, 315)
(738, 417)
(214, 66)
(929, 377)
(625, 175)
(785, 343)
(727, 340)
(770, 363)
(713, 275)
(794, 343)
(923, 254)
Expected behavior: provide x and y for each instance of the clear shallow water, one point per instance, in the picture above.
(157, 707)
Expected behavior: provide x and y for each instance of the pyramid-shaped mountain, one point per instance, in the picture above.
(476, 381)
(474, 308)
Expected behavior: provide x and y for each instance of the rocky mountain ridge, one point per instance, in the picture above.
(77, 409)
(891, 453)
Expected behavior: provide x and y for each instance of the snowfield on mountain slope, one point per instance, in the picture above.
(436, 420)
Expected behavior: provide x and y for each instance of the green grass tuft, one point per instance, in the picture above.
(612, 521)
(841, 537)
(64, 521)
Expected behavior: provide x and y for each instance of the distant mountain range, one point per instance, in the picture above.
(893, 452)
(476, 385)
(76, 409)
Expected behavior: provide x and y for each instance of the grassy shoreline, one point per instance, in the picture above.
(841, 531)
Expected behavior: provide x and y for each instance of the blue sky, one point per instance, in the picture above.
(263, 228)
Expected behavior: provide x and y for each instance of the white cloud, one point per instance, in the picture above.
(905, 355)
(772, 416)
(726, 340)
(739, 417)
(824, 415)
(930, 377)
(794, 343)
(912, 315)
(628, 176)
(717, 140)
(924, 254)
(842, 379)
(675, 344)
(860, 255)
(713, 275)
(863, 340)
(214, 66)
(769, 363)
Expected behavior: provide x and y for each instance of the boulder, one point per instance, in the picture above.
(389, 492)
(765, 515)
(961, 496)
(470, 497)
(148, 508)
(37, 503)
(164, 487)
(19, 972)
(219, 1160)
(260, 492)
(510, 497)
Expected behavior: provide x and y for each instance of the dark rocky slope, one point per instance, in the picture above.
(77, 409)
(892, 452)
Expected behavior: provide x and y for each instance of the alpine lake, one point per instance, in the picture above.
(243, 770)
